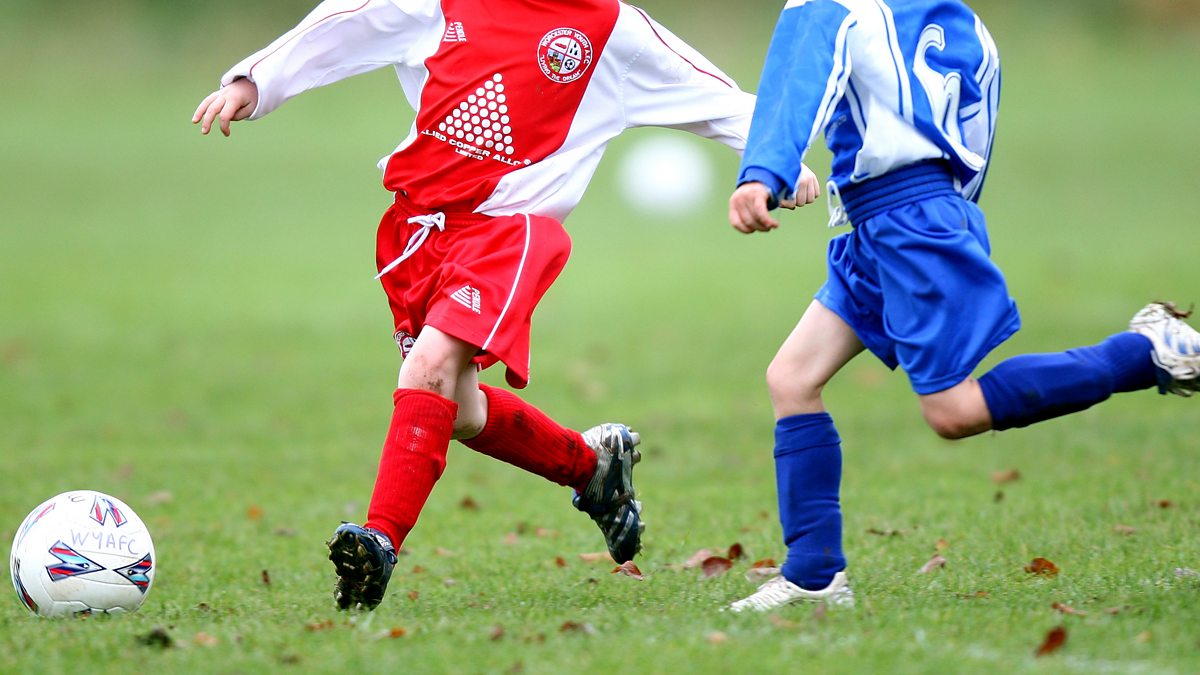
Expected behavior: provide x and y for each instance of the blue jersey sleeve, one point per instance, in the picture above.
(803, 79)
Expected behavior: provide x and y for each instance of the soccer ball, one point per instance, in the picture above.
(82, 552)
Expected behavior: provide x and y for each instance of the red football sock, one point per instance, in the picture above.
(521, 435)
(414, 456)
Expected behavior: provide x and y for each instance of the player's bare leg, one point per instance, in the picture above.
(413, 458)
(808, 460)
(957, 412)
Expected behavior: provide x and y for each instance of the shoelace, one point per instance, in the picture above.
(427, 221)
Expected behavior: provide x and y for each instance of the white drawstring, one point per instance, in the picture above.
(427, 222)
(837, 210)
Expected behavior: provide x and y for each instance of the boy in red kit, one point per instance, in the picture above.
(516, 101)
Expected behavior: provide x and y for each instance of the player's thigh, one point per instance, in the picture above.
(817, 348)
(436, 362)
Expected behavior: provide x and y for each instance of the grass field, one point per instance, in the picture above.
(190, 324)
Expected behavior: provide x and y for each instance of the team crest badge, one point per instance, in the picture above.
(564, 55)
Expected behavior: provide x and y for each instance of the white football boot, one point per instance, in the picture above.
(779, 592)
(1176, 347)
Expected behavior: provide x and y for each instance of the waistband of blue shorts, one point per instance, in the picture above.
(901, 186)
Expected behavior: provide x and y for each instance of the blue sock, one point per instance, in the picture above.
(1035, 387)
(808, 475)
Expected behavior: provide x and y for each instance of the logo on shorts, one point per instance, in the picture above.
(405, 342)
(467, 297)
(564, 55)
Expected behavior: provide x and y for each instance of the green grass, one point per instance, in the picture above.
(190, 324)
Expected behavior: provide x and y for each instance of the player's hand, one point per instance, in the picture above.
(235, 101)
(748, 209)
(808, 188)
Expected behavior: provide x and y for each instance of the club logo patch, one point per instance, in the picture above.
(564, 55)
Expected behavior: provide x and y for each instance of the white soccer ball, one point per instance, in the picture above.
(82, 552)
(666, 174)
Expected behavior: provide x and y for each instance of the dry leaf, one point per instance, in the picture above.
(1001, 477)
(936, 562)
(757, 574)
(629, 569)
(1143, 637)
(254, 512)
(511, 538)
(884, 533)
(159, 498)
(1067, 609)
(596, 557)
(1164, 503)
(1124, 529)
(560, 561)
(941, 545)
(577, 627)
(444, 552)
(998, 497)
(319, 626)
(394, 633)
(266, 578)
(413, 595)
(205, 640)
(780, 622)
(697, 559)
(469, 504)
(736, 552)
(1054, 641)
(765, 562)
(1042, 567)
(717, 637)
(715, 566)
(545, 532)
(157, 637)
(497, 633)
(417, 569)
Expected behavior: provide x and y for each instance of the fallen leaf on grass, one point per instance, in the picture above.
(596, 557)
(884, 533)
(1054, 641)
(157, 637)
(697, 559)
(391, 633)
(560, 561)
(941, 545)
(1042, 567)
(254, 512)
(936, 562)
(417, 569)
(1001, 477)
(1143, 637)
(629, 569)
(512, 538)
(1164, 503)
(159, 498)
(497, 633)
(1124, 529)
(736, 552)
(998, 497)
(318, 626)
(444, 552)
(203, 639)
(715, 566)
(266, 578)
(780, 622)
(577, 627)
(757, 574)
(717, 637)
(1067, 609)
(413, 595)
(469, 504)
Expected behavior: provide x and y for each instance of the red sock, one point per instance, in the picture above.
(414, 456)
(521, 435)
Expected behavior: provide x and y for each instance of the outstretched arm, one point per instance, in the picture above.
(233, 102)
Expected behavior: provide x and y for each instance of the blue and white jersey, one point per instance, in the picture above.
(889, 82)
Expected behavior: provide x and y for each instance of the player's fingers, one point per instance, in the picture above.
(228, 114)
(210, 114)
(204, 106)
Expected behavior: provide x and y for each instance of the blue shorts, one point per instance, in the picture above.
(916, 285)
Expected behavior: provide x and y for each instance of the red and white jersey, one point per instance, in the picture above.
(516, 100)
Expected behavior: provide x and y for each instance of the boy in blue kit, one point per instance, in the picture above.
(906, 93)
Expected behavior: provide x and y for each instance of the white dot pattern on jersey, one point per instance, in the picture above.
(482, 118)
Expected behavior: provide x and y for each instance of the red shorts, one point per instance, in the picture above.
(479, 280)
